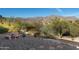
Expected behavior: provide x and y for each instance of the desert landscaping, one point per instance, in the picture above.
(46, 33)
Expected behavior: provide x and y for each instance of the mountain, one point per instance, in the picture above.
(47, 18)
(52, 17)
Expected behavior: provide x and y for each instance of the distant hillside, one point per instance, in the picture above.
(47, 18)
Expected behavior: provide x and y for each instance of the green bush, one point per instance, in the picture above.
(3, 30)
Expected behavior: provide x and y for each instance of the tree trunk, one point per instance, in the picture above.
(60, 36)
(72, 38)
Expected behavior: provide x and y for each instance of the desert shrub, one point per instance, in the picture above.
(59, 27)
(74, 29)
(3, 30)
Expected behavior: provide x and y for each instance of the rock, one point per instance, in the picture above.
(41, 46)
(32, 49)
(51, 48)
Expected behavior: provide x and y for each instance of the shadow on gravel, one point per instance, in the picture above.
(32, 43)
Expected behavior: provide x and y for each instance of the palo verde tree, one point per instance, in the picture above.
(74, 29)
(59, 26)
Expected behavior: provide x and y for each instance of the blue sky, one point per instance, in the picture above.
(33, 12)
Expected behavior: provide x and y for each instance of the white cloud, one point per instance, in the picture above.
(59, 10)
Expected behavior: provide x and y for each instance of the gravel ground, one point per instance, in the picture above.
(32, 43)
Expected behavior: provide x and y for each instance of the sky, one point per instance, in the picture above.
(35, 12)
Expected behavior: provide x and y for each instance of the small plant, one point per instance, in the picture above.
(3, 30)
